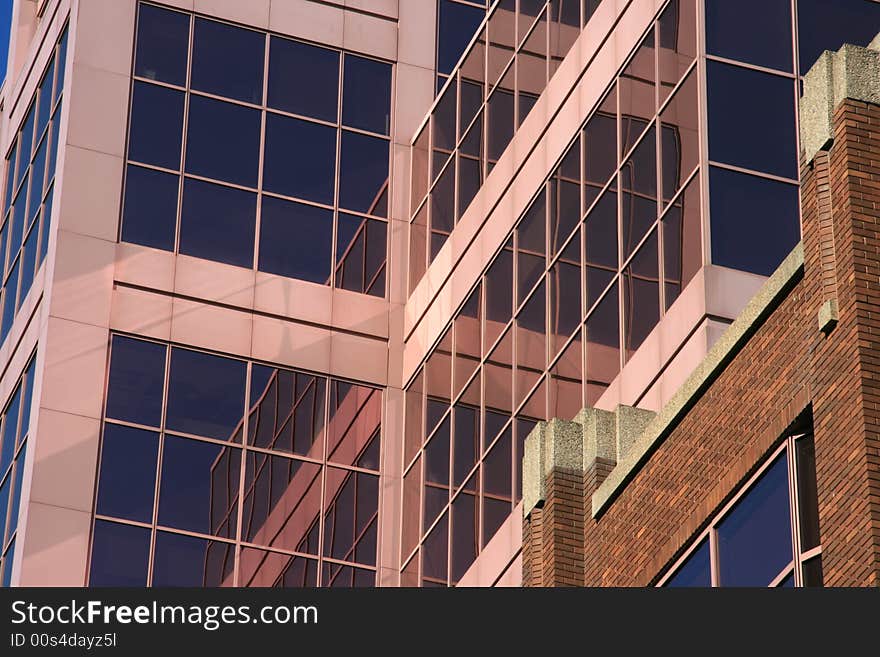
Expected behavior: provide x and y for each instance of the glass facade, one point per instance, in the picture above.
(258, 151)
(30, 179)
(768, 535)
(14, 427)
(216, 471)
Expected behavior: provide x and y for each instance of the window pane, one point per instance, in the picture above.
(641, 295)
(677, 38)
(751, 120)
(128, 473)
(137, 378)
(754, 540)
(500, 128)
(228, 61)
(465, 530)
(150, 214)
(10, 431)
(187, 498)
(28, 260)
(295, 68)
(218, 223)
(189, 561)
(366, 94)
(680, 138)
(603, 345)
(205, 394)
(162, 44)
(45, 101)
(808, 495)
(223, 141)
(695, 571)
(26, 143)
(296, 240)
(156, 125)
(456, 27)
(769, 38)
(119, 555)
(300, 159)
(360, 254)
(755, 221)
(826, 25)
(638, 179)
(363, 175)
(351, 509)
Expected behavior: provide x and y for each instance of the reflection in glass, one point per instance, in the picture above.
(294, 67)
(162, 44)
(217, 223)
(295, 240)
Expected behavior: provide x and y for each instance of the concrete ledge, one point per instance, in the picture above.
(719, 356)
(553, 444)
(851, 72)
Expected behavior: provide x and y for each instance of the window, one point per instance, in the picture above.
(769, 42)
(750, 542)
(216, 471)
(247, 161)
(30, 178)
(824, 25)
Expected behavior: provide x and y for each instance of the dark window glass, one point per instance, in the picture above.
(119, 555)
(465, 531)
(137, 378)
(755, 221)
(641, 295)
(457, 25)
(751, 120)
(435, 552)
(26, 143)
(500, 129)
(162, 45)
(754, 540)
(471, 101)
(303, 79)
(9, 293)
(128, 473)
(828, 24)
(565, 296)
(603, 339)
(808, 495)
(443, 200)
(466, 448)
(187, 498)
(366, 94)
(600, 143)
(300, 159)
(10, 427)
(223, 141)
(228, 61)
(813, 572)
(10, 179)
(360, 254)
(638, 179)
(680, 137)
(150, 214)
(695, 571)
(363, 173)
(156, 125)
(28, 260)
(189, 561)
(205, 394)
(295, 240)
(45, 102)
(218, 223)
(769, 37)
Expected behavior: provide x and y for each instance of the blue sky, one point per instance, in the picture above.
(5, 20)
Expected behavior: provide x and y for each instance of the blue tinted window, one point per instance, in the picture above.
(205, 394)
(695, 571)
(9, 292)
(38, 173)
(137, 378)
(128, 473)
(150, 214)
(754, 540)
(185, 491)
(28, 261)
(295, 240)
(120, 554)
(457, 25)
(182, 560)
(753, 31)
(218, 223)
(828, 24)
(755, 221)
(223, 141)
(45, 99)
(10, 428)
(300, 159)
(366, 95)
(228, 61)
(752, 120)
(363, 174)
(295, 67)
(26, 144)
(156, 125)
(162, 44)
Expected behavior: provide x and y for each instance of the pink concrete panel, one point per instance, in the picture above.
(105, 33)
(390, 482)
(370, 35)
(141, 312)
(498, 554)
(141, 265)
(384, 7)
(396, 264)
(55, 547)
(512, 577)
(308, 20)
(252, 12)
(83, 279)
(17, 351)
(75, 353)
(395, 345)
(359, 313)
(294, 299)
(65, 450)
(88, 200)
(359, 358)
(211, 327)
(729, 290)
(418, 34)
(287, 343)
(214, 281)
(98, 102)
